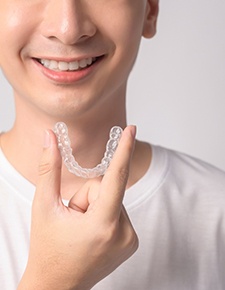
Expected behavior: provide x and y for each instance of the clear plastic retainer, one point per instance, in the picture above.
(61, 132)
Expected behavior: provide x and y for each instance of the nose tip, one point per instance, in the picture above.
(68, 22)
(73, 30)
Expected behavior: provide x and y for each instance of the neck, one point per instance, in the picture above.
(22, 145)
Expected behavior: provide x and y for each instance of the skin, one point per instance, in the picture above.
(72, 30)
(96, 235)
(58, 32)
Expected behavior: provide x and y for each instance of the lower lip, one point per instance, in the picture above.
(67, 77)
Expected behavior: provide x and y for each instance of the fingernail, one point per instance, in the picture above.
(133, 131)
(47, 140)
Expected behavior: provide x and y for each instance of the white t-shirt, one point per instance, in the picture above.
(177, 209)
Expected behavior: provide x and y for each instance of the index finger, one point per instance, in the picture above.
(114, 182)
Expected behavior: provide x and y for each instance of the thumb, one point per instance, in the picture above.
(49, 173)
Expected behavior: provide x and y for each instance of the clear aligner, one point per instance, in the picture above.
(72, 165)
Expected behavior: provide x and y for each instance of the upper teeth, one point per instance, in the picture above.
(65, 66)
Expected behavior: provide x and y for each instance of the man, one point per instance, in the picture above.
(69, 61)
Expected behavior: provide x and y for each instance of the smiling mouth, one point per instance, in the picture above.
(63, 66)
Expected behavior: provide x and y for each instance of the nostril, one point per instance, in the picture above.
(67, 22)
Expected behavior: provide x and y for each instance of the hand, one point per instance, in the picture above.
(74, 247)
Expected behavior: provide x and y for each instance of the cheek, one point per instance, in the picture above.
(12, 18)
(128, 36)
(17, 21)
(13, 29)
(123, 31)
(126, 26)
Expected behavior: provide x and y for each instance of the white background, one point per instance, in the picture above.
(176, 93)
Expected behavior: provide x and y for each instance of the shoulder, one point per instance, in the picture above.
(184, 163)
(193, 174)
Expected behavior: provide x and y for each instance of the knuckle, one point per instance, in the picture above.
(122, 175)
(47, 165)
(131, 239)
(122, 244)
(107, 235)
(134, 242)
(44, 168)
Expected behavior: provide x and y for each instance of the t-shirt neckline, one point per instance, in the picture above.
(134, 196)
